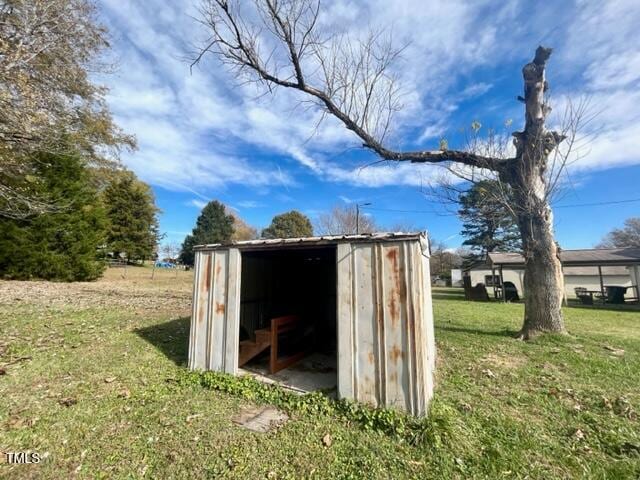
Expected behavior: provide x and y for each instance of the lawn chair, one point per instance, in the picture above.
(586, 297)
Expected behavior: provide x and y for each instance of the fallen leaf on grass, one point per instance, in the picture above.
(191, 418)
(326, 440)
(109, 379)
(124, 393)
(68, 401)
(616, 352)
(3, 371)
(489, 373)
(578, 434)
(15, 422)
(623, 407)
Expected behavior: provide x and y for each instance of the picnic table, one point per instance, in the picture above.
(612, 294)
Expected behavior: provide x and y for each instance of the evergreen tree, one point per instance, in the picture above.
(289, 225)
(486, 223)
(132, 214)
(212, 226)
(63, 244)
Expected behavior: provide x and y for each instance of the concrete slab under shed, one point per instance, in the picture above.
(314, 372)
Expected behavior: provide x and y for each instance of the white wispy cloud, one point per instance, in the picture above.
(195, 202)
(249, 204)
(196, 128)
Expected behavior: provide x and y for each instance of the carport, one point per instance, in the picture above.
(598, 258)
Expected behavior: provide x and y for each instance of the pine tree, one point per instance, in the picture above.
(132, 214)
(64, 244)
(486, 223)
(289, 225)
(212, 226)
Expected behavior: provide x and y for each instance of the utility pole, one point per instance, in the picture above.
(358, 205)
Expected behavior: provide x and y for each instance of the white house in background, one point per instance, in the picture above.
(592, 269)
(456, 277)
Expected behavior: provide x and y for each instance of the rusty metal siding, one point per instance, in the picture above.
(385, 339)
(214, 334)
(386, 352)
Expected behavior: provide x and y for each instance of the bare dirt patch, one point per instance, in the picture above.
(504, 361)
(168, 291)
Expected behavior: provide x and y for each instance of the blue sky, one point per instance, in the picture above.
(202, 135)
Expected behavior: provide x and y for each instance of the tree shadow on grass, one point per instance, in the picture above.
(449, 296)
(171, 338)
(626, 307)
(505, 332)
(459, 297)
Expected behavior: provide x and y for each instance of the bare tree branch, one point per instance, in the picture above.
(354, 81)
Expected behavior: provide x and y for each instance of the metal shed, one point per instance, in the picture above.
(367, 295)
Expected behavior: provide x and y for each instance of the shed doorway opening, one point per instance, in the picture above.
(288, 317)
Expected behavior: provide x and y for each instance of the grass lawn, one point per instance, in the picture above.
(92, 381)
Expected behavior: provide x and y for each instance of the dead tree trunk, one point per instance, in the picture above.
(543, 280)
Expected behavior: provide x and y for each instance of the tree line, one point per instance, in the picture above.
(97, 216)
(66, 202)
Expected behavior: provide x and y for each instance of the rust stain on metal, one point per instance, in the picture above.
(207, 273)
(371, 357)
(204, 288)
(396, 289)
(396, 354)
(219, 307)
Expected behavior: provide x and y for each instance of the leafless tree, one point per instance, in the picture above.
(170, 251)
(627, 236)
(278, 43)
(48, 103)
(344, 220)
(241, 229)
(443, 259)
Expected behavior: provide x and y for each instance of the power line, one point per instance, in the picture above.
(595, 204)
(432, 212)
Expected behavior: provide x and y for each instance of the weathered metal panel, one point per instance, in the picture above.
(386, 347)
(386, 351)
(213, 338)
(347, 365)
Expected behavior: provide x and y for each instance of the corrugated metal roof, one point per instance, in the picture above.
(586, 257)
(320, 240)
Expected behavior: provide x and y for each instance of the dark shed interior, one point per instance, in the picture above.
(297, 282)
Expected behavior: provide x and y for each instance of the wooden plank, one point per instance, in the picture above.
(281, 325)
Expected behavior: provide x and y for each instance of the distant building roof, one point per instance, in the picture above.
(575, 258)
(593, 270)
(315, 241)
